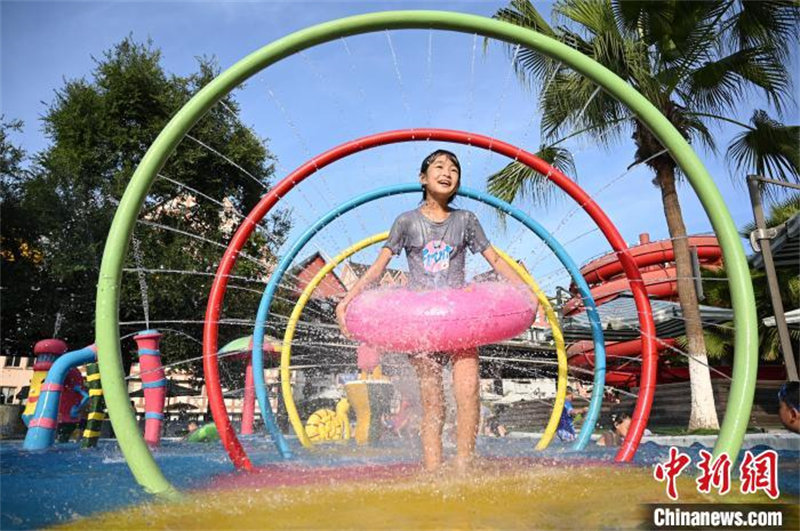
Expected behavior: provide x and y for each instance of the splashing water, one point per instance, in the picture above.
(57, 325)
(137, 256)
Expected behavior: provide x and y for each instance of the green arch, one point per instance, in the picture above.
(141, 462)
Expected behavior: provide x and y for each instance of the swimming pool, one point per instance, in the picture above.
(65, 483)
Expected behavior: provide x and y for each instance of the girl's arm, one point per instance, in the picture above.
(372, 275)
(501, 267)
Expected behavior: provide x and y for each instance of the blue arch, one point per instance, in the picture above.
(266, 301)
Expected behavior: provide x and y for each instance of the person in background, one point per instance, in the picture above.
(789, 406)
(620, 423)
(566, 426)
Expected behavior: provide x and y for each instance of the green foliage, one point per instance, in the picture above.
(720, 340)
(769, 148)
(779, 213)
(518, 180)
(100, 128)
(695, 61)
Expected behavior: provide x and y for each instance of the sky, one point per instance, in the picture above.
(345, 89)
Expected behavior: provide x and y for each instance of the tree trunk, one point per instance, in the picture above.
(704, 413)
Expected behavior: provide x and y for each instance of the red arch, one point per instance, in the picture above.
(217, 293)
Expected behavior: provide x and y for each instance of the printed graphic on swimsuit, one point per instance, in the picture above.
(436, 256)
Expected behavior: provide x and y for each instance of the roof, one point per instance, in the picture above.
(303, 267)
(360, 269)
(792, 319)
(620, 319)
(785, 245)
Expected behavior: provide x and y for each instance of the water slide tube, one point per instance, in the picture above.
(655, 261)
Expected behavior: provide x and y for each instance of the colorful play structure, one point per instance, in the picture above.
(136, 448)
(56, 393)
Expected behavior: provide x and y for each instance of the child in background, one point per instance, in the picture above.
(789, 406)
(435, 238)
(614, 437)
(566, 426)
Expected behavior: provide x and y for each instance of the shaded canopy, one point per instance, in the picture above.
(245, 344)
(620, 319)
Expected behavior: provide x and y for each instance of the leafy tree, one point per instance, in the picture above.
(23, 266)
(696, 62)
(100, 128)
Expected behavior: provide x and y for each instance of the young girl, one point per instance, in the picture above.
(435, 238)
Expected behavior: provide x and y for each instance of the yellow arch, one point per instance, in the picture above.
(286, 350)
(561, 351)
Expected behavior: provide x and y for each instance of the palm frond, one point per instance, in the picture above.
(572, 102)
(594, 18)
(718, 86)
(529, 64)
(719, 341)
(697, 129)
(518, 182)
(771, 24)
(768, 149)
(779, 212)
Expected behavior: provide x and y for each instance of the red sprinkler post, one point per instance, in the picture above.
(153, 382)
(249, 404)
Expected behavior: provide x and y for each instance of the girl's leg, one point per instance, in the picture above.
(466, 392)
(429, 373)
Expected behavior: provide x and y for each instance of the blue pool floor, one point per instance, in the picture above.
(65, 482)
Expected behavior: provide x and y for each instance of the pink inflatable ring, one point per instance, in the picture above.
(402, 320)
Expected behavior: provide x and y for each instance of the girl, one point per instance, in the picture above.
(435, 237)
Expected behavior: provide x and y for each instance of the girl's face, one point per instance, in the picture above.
(441, 178)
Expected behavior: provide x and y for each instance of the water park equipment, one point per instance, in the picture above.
(656, 260)
(205, 433)
(325, 425)
(368, 358)
(97, 407)
(527, 221)
(137, 453)
(444, 320)
(241, 348)
(154, 383)
(45, 351)
(51, 410)
(370, 395)
(371, 399)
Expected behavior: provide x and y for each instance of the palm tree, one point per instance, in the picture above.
(695, 61)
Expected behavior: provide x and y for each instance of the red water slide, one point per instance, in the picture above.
(656, 262)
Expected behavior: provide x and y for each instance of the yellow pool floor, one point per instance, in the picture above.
(493, 495)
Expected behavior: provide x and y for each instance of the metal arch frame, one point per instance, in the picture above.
(138, 456)
(645, 398)
(558, 337)
(527, 221)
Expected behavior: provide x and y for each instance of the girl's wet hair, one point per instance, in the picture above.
(427, 161)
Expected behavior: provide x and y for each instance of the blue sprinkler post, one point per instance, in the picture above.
(41, 428)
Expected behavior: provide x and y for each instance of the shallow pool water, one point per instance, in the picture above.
(339, 486)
